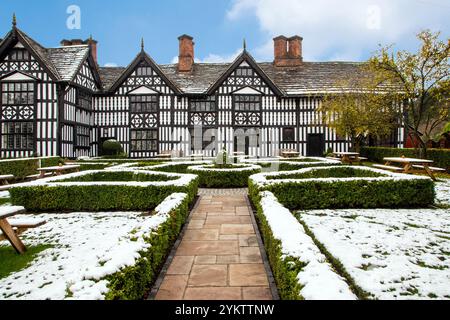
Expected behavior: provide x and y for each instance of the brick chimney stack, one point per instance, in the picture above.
(78, 42)
(288, 51)
(93, 44)
(186, 57)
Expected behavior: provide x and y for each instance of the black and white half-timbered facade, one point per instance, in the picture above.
(58, 101)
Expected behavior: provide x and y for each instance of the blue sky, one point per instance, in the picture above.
(333, 30)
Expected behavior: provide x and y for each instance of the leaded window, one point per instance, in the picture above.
(204, 105)
(84, 100)
(144, 140)
(247, 103)
(18, 136)
(18, 93)
(144, 104)
(19, 55)
(83, 136)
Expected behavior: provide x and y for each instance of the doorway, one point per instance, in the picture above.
(315, 145)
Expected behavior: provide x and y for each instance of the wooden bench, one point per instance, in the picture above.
(12, 231)
(4, 180)
(389, 168)
(435, 169)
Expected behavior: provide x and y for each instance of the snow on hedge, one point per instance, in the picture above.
(261, 179)
(391, 254)
(297, 161)
(86, 247)
(183, 179)
(236, 168)
(318, 278)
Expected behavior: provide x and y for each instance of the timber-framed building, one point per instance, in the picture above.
(59, 102)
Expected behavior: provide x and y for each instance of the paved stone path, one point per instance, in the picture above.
(219, 257)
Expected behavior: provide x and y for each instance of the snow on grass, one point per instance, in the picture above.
(443, 192)
(4, 194)
(86, 247)
(391, 254)
(318, 279)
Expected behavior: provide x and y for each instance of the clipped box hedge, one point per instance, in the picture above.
(113, 191)
(234, 177)
(292, 164)
(344, 187)
(133, 282)
(284, 268)
(441, 157)
(22, 168)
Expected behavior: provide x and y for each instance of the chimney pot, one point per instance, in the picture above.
(186, 55)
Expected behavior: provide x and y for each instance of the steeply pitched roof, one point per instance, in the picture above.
(199, 80)
(40, 52)
(311, 77)
(143, 56)
(109, 76)
(308, 78)
(62, 63)
(67, 60)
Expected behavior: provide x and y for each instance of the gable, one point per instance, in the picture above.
(18, 58)
(244, 72)
(143, 71)
(85, 77)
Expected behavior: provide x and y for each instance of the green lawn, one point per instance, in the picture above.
(13, 262)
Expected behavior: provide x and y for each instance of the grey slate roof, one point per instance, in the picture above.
(62, 62)
(309, 78)
(202, 77)
(67, 60)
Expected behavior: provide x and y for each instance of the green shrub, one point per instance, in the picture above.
(292, 165)
(112, 148)
(223, 178)
(22, 168)
(133, 282)
(441, 157)
(356, 193)
(97, 197)
(284, 268)
(337, 172)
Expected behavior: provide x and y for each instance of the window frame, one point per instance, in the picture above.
(139, 132)
(29, 136)
(283, 133)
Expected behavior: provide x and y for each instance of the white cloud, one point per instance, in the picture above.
(345, 29)
(110, 64)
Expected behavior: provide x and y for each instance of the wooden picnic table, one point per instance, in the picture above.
(411, 164)
(348, 157)
(58, 170)
(8, 231)
(290, 154)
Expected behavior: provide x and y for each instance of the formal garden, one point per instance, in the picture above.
(330, 230)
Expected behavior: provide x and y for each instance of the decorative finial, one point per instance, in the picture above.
(142, 44)
(90, 38)
(245, 45)
(14, 20)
